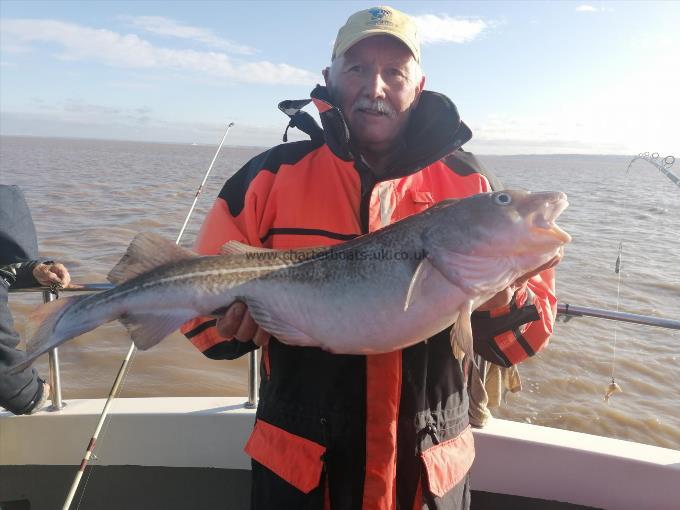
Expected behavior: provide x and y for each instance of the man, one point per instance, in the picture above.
(374, 432)
(24, 392)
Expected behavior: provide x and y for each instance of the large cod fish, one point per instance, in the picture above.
(377, 293)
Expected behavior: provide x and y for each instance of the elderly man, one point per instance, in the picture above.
(375, 432)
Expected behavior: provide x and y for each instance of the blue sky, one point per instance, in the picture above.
(528, 77)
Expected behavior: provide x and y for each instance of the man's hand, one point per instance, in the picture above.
(52, 274)
(504, 297)
(238, 324)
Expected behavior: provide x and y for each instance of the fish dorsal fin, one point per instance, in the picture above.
(236, 248)
(147, 251)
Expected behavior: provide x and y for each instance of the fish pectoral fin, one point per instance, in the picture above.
(148, 328)
(276, 326)
(423, 270)
(461, 332)
(147, 251)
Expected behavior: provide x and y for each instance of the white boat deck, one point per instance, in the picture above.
(512, 458)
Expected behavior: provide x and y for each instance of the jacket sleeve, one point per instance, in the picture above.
(19, 275)
(19, 392)
(222, 224)
(508, 335)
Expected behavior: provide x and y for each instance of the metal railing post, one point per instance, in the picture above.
(55, 374)
(252, 380)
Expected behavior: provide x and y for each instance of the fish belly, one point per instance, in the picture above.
(358, 317)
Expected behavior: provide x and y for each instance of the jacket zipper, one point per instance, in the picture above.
(368, 182)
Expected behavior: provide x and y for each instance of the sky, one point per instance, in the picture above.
(527, 77)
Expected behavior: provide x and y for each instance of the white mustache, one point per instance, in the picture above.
(377, 105)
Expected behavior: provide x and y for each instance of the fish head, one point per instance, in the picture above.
(520, 223)
(512, 230)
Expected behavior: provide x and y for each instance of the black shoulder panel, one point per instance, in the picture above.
(465, 163)
(234, 190)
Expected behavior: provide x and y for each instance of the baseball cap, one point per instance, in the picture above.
(383, 20)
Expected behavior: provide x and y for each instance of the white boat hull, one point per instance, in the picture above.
(179, 449)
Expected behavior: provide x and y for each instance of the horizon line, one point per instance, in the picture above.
(263, 147)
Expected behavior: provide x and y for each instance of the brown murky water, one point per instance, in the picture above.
(89, 198)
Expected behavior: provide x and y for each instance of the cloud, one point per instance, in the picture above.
(79, 112)
(435, 29)
(78, 42)
(586, 8)
(170, 28)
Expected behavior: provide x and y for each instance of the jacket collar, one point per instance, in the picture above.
(434, 130)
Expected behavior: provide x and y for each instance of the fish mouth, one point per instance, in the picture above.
(543, 220)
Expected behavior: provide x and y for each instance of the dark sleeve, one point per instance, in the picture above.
(231, 349)
(19, 275)
(18, 392)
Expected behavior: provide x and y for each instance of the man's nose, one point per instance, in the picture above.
(375, 85)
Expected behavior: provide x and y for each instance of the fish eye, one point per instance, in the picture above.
(502, 199)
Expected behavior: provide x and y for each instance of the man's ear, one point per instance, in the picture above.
(419, 89)
(326, 72)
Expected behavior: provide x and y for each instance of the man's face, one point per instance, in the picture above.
(375, 83)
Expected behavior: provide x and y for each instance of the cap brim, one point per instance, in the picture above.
(371, 33)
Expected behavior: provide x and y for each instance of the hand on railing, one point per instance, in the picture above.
(52, 274)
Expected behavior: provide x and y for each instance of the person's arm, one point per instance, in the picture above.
(235, 216)
(31, 273)
(518, 321)
(23, 392)
(19, 275)
(512, 333)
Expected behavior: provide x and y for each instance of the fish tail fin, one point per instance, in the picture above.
(41, 329)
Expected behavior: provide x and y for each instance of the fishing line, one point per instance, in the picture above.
(122, 372)
(664, 166)
(613, 386)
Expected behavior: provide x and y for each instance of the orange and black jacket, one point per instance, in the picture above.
(362, 432)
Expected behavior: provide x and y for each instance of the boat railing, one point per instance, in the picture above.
(565, 310)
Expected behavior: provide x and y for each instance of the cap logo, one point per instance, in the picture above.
(378, 15)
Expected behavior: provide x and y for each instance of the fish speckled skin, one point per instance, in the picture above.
(350, 298)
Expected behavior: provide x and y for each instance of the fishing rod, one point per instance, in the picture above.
(122, 371)
(663, 165)
(569, 311)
